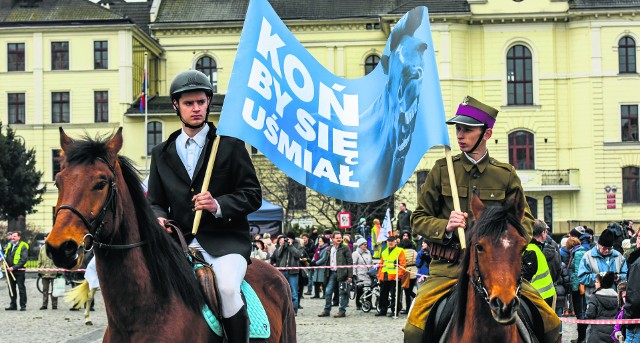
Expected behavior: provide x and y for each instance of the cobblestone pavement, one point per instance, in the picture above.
(62, 325)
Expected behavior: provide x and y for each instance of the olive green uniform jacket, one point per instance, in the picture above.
(491, 180)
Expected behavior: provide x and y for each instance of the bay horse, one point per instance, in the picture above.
(149, 288)
(490, 277)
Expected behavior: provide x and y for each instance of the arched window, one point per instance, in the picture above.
(548, 211)
(370, 63)
(533, 206)
(208, 66)
(521, 153)
(627, 55)
(154, 135)
(631, 185)
(519, 76)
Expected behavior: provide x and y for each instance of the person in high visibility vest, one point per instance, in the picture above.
(387, 277)
(17, 253)
(535, 268)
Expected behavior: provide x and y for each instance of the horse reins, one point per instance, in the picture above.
(96, 225)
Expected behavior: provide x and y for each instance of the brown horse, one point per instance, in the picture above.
(489, 283)
(149, 287)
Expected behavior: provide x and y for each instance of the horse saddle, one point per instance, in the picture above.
(259, 326)
(529, 322)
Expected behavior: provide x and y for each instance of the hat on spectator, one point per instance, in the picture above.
(577, 231)
(472, 112)
(391, 238)
(361, 241)
(606, 238)
(362, 220)
(291, 235)
(327, 232)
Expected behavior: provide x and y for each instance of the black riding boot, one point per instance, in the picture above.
(237, 326)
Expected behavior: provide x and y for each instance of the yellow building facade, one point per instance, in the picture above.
(552, 68)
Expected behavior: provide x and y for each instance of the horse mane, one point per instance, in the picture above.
(170, 272)
(493, 223)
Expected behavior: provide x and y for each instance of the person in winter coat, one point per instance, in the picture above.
(601, 258)
(410, 256)
(288, 255)
(319, 259)
(422, 262)
(258, 251)
(632, 304)
(618, 332)
(339, 255)
(578, 299)
(603, 304)
(362, 256)
(47, 279)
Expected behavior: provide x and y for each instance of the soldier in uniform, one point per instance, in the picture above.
(437, 221)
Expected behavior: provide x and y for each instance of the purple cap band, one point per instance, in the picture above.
(476, 114)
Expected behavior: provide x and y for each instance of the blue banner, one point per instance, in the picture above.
(357, 140)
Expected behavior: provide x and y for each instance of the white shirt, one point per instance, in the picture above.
(476, 161)
(189, 150)
(333, 261)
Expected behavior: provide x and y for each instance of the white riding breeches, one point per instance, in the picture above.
(230, 270)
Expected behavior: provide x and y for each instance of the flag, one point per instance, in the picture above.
(143, 93)
(386, 229)
(357, 140)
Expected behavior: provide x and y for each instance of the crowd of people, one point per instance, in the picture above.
(335, 250)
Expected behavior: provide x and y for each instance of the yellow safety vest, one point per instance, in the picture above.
(390, 259)
(542, 280)
(16, 257)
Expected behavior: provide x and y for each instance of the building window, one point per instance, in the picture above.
(101, 106)
(55, 162)
(631, 185)
(15, 57)
(629, 122)
(521, 153)
(16, 108)
(296, 196)
(370, 63)
(519, 76)
(208, 66)
(101, 54)
(627, 55)
(60, 107)
(60, 56)
(154, 135)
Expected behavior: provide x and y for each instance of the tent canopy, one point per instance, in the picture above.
(267, 212)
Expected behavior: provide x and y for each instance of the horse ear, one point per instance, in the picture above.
(65, 141)
(518, 204)
(114, 145)
(476, 206)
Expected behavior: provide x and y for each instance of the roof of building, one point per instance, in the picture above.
(603, 4)
(138, 12)
(36, 12)
(223, 10)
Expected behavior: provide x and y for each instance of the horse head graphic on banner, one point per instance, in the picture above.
(357, 140)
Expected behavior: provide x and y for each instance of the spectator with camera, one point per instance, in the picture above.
(288, 255)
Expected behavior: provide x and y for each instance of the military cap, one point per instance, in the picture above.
(472, 112)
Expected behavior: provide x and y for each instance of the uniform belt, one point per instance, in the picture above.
(450, 252)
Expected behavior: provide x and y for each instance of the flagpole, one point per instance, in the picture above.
(454, 193)
(145, 83)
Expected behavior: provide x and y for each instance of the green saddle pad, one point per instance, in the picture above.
(259, 323)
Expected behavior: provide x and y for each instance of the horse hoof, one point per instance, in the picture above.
(88, 323)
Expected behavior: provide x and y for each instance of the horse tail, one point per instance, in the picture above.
(79, 295)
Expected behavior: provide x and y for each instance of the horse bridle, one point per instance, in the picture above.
(96, 225)
(478, 284)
